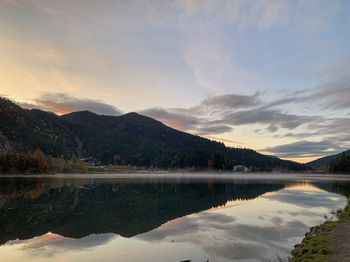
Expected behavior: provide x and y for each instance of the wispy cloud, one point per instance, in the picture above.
(219, 114)
(62, 103)
(269, 117)
(333, 95)
(180, 119)
(305, 149)
(230, 101)
(263, 14)
(207, 118)
(51, 56)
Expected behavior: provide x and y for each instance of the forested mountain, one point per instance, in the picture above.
(325, 161)
(130, 139)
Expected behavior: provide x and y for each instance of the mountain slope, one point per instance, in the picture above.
(128, 139)
(32, 129)
(141, 140)
(324, 161)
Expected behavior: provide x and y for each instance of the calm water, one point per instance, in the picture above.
(162, 218)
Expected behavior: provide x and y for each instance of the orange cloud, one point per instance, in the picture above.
(61, 103)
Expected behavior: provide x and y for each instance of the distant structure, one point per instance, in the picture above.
(240, 168)
(90, 161)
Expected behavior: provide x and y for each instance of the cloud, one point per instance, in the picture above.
(336, 129)
(331, 93)
(276, 13)
(244, 14)
(183, 119)
(272, 128)
(230, 101)
(219, 114)
(181, 51)
(271, 117)
(305, 149)
(262, 14)
(189, 225)
(52, 244)
(316, 15)
(333, 131)
(306, 199)
(214, 129)
(175, 118)
(205, 118)
(61, 103)
(193, 6)
(334, 95)
(232, 237)
(236, 238)
(222, 113)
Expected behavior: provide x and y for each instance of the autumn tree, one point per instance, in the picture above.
(42, 161)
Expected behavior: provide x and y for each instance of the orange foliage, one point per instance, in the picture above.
(41, 158)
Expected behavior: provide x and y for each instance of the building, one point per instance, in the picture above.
(90, 161)
(240, 168)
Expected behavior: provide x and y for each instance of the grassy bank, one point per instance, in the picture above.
(317, 244)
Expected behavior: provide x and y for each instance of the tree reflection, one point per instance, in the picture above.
(77, 208)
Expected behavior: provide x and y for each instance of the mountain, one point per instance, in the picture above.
(130, 139)
(325, 161)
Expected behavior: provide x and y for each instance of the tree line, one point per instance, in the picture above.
(340, 165)
(23, 162)
(37, 162)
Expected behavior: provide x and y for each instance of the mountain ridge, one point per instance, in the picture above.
(324, 161)
(129, 139)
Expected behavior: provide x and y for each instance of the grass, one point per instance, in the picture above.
(317, 246)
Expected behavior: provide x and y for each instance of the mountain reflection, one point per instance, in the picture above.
(113, 219)
(76, 208)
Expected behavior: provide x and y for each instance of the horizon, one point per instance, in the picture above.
(272, 76)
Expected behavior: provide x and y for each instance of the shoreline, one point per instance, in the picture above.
(189, 175)
(323, 242)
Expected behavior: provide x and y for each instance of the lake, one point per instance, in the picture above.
(163, 217)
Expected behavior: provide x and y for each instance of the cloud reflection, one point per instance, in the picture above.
(52, 244)
(306, 199)
(261, 229)
(266, 230)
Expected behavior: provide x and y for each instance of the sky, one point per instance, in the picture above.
(271, 75)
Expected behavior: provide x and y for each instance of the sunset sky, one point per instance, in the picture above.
(271, 75)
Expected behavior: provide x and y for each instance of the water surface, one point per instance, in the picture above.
(161, 217)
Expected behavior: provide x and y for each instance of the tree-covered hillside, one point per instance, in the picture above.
(325, 162)
(340, 165)
(130, 139)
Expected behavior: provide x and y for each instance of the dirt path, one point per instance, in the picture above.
(341, 244)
